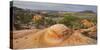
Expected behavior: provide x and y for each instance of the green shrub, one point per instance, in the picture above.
(71, 21)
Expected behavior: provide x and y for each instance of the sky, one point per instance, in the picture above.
(53, 6)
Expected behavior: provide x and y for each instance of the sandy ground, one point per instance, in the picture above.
(26, 38)
(23, 38)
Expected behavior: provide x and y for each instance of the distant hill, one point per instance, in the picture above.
(86, 11)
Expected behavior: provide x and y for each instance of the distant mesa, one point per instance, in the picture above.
(86, 11)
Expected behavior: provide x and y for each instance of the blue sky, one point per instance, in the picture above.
(53, 6)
